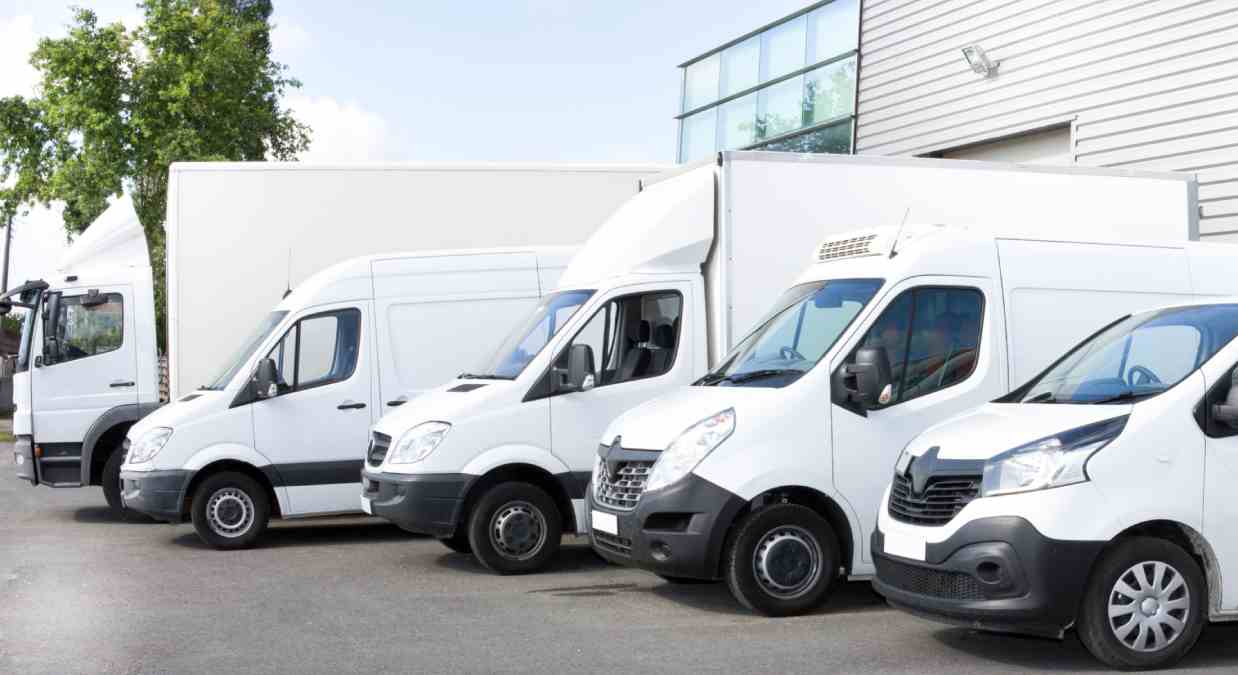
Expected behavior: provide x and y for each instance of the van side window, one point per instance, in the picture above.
(931, 336)
(318, 350)
(88, 330)
(632, 337)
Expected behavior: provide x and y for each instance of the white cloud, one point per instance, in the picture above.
(289, 40)
(17, 40)
(344, 132)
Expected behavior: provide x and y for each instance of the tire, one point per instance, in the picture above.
(684, 581)
(111, 485)
(230, 510)
(1186, 603)
(515, 528)
(797, 553)
(459, 542)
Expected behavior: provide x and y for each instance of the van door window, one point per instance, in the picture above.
(88, 330)
(318, 350)
(931, 336)
(632, 337)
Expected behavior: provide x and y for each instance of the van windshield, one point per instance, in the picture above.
(241, 355)
(808, 321)
(530, 336)
(1134, 358)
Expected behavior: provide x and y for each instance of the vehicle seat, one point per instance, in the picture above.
(663, 349)
(637, 358)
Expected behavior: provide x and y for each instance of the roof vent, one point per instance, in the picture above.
(466, 387)
(848, 247)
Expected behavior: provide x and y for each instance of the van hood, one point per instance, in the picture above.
(447, 403)
(188, 408)
(654, 424)
(994, 428)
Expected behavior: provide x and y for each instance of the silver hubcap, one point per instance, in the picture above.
(1149, 606)
(229, 512)
(787, 562)
(518, 530)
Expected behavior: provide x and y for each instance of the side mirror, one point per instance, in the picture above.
(1227, 413)
(51, 329)
(94, 298)
(6, 306)
(265, 380)
(868, 381)
(580, 371)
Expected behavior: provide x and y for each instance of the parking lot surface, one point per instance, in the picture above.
(80, 592)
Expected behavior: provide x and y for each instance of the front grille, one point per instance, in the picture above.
(378, 448)
(942, 500)
(624, 491)
(612, 543)
(925, 581)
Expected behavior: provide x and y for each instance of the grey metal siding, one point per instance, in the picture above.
(1147, 84)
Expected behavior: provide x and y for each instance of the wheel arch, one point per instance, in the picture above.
(221, 465)
(1190, 540)
(824, 505)
(105, 436)
(521, 472)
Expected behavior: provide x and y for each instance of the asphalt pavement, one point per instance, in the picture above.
(80, 592)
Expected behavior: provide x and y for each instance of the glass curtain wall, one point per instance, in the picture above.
(788, 87)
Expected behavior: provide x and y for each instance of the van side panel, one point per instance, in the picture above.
(1058, 293)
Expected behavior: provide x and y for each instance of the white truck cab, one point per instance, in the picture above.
(1098, 494)
(281, 429)
(87, 367)
(768, 472)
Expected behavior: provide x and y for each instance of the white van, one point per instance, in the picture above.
(1098, 495)
(280, 431)
(768, 473)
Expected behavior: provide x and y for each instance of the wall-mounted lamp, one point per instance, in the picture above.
(979, 61)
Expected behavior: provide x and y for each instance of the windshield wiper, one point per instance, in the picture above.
(708, 379)
(1043, 397)
(714, 378)
(483, 376)
(1126, 396)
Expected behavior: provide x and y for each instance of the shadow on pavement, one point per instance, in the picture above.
(103, 514)
(571, 558)
(283, 535)
(847, 597)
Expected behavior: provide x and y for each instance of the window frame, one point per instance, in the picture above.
(295, 386)
(62, 307)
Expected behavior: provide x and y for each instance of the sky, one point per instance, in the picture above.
(416, 80)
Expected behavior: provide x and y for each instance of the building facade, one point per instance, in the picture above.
(1124, 84)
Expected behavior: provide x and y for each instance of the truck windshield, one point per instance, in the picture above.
(524, 343)
(251, 343)
(27, 334)
(1134, 358)
(808, 320)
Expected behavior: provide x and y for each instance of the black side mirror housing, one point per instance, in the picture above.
(265, 380)
(51, 329)
(6, 306)
(581, 375)
(866, 383)
(1227, 412)
(94, 298)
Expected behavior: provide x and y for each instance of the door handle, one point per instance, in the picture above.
(120, 383)
(350, 405)
(397, 402)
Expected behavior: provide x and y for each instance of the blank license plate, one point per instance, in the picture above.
(606, 522)
(904, 545)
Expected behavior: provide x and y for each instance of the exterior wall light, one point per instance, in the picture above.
(979, 61)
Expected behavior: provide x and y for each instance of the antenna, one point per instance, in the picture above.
(288, 277)
(894, 246)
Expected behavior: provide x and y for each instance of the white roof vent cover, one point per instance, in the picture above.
(852, 246)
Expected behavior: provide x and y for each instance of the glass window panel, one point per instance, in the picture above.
(783, 48)
(741, 66)
(835, 138)
(701, 83)
(697, 135)
(829, 92)
(737, 122)
(833, 29)
(780, 108)
(88, 330)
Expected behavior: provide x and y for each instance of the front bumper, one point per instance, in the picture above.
(422, 503)
(23, 459)
(158, 494)
(677, 531)
(996, 573)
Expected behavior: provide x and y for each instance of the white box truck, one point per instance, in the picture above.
(669, 284)
(238, 236)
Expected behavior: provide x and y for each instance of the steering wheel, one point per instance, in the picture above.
(1139, 375)
(789, 354)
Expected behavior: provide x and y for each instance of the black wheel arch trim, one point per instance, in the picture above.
(128, 413)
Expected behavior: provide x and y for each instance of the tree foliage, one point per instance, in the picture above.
(194, 82)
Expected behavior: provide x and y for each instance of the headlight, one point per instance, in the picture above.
(417, 443)
(148, 445)
(686, 451)
(1049, 462)
(599, 470)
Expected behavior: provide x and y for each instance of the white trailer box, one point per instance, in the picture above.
(238, 234)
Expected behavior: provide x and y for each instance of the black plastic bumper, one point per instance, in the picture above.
(677, 531)
(23, 459)
(158, 494)
(997, 574)
(419, 503)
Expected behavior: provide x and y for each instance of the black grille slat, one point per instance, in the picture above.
(942, 500)
(624, 491)
(924, 581)
(379, 444)
(612, 543)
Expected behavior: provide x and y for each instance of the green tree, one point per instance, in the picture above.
(194, 82)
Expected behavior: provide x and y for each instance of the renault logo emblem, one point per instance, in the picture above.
(920, 469)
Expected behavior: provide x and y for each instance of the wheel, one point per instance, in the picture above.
(111, 484)
(684, 581)
(781, 560)
(458, 542)
(1144, 606)
(230, 510)
(515, 528)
